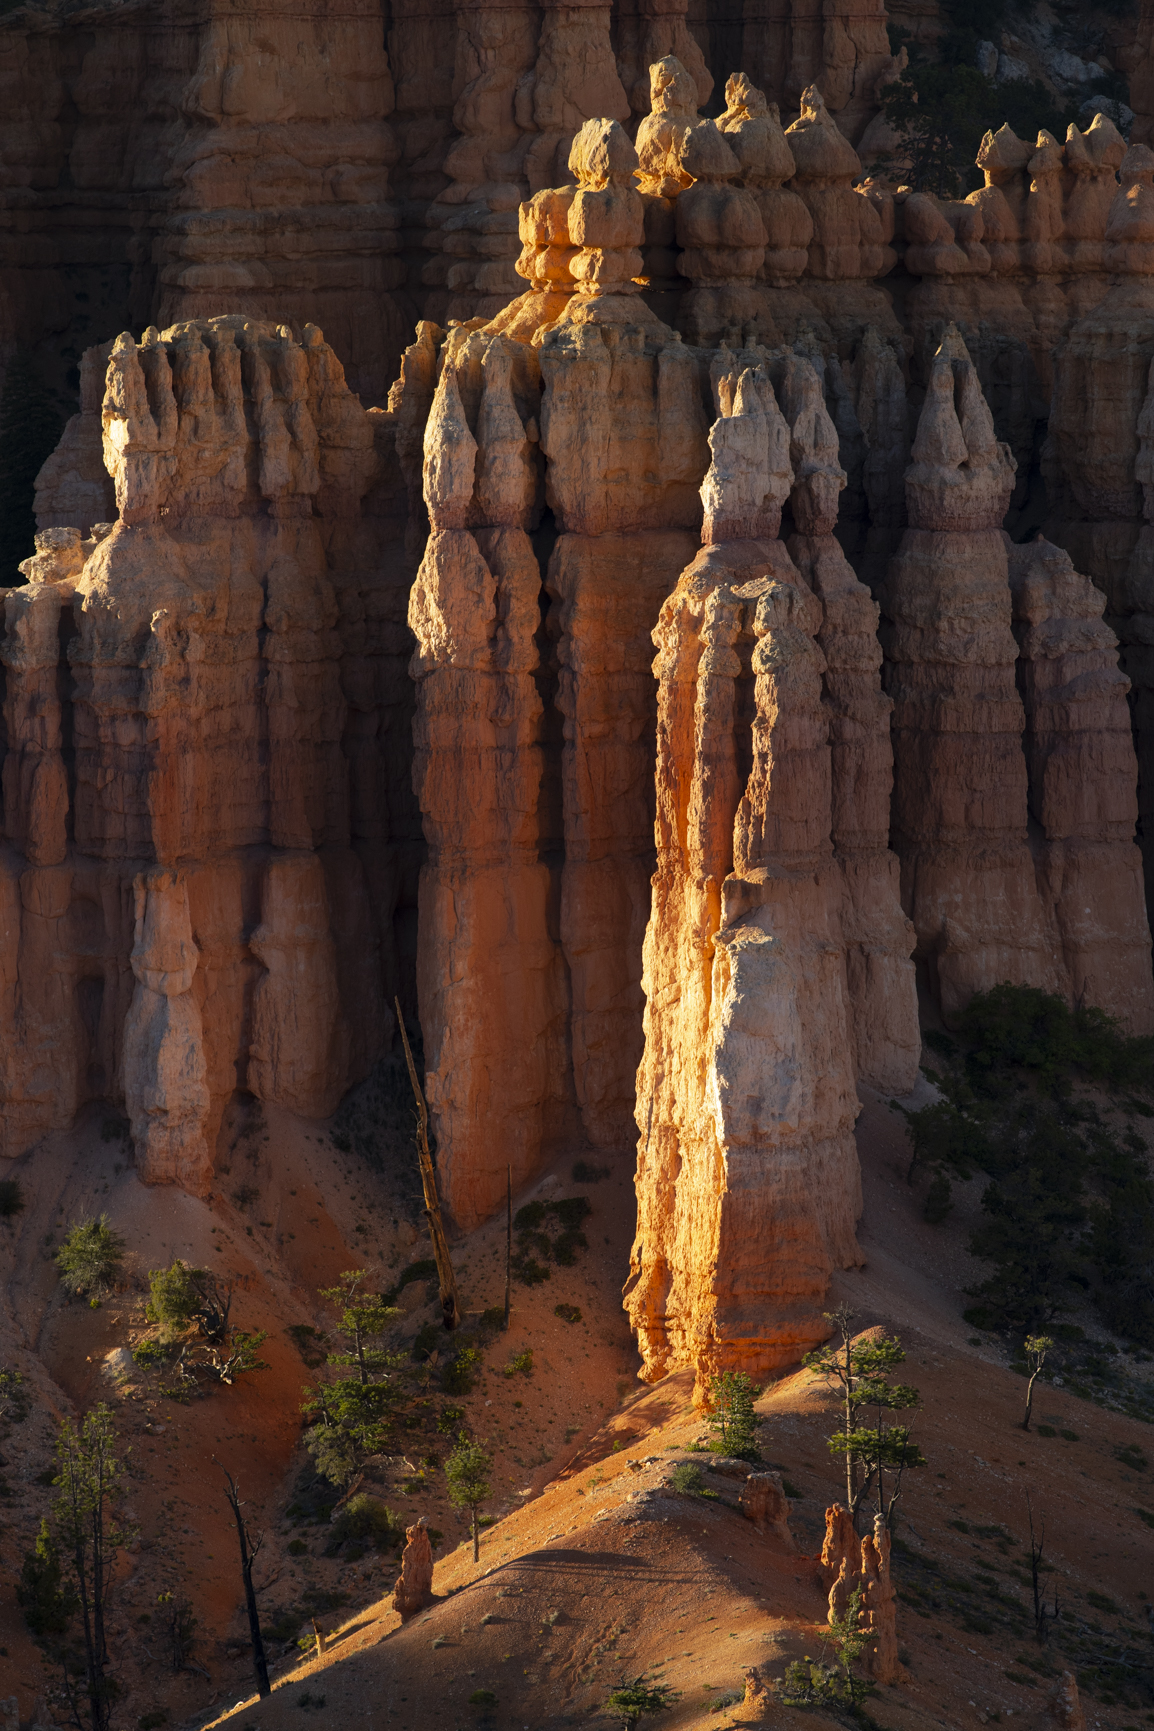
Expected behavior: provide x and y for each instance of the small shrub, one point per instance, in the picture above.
(316, 1702)
(174, 1296)
(11, 1198)
(1045, 1430)
(246, 1195)
(482, 1698)
(567, 1312)
(520, 1361)
(550, 1231)
(494, 1317)
(1101, 1603)
(364, 1517)
(462, 1370)
(90, 1258)
(584, 1173)
(298, 1548)
(632, 1702)
(688, 1479)
(151, 1354)
(449, 1420)
(151, 1721)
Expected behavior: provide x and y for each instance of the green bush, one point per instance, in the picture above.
(90, 1258)
(174, 1295)
(548, 1232)
(567, 1312)
(632, 1702)
(365, 1517)
(520, 1361)
(688, 1479)
(151, 1354)
(462, 1370)
(1069, 1202)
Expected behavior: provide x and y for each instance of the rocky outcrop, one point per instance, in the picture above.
(1082, 781)
(414, 1588)
(849, 1566)
(744, 1147)
(1064, 1705)
(959, 806)
(764, 1502)
(491, 978)
(786, 48)
(195, 774)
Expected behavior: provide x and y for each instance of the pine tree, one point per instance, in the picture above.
(30, 428)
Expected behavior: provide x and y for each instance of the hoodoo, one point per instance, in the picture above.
(686, 899)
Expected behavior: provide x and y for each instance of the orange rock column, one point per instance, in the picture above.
(747, 1175)
(1083, 779)
(959, 809)
(878, 937)
(490, 976)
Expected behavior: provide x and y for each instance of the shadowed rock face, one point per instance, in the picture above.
(263, 624)
(198, 786)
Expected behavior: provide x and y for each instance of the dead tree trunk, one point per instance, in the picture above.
(450, 1303)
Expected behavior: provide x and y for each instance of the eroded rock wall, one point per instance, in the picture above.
(773, 772)
(193, 776)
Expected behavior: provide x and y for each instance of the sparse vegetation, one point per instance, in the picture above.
(468, 1471)
(688, 1479)
(365, 1517)
(66, 1577)
(942, 104)
(833, 1680)
(860, 1370)
(632, 1702)
(462, 1370)
(520, 1363)
(550, 1231)
(178, 1627)
(732, 1417)
(353, 1414)
(91, 1257)
(1069, 1206)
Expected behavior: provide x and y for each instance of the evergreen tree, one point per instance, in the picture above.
(68, 1574)
(732, 1416)
(30, 429)
(353, 1414)
(467, 1470)
(860, 1370)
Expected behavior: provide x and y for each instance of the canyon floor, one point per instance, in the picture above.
(593, 1568)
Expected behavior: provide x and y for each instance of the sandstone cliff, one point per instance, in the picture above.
(263, 623)
(746, 1098)
(201, 880)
